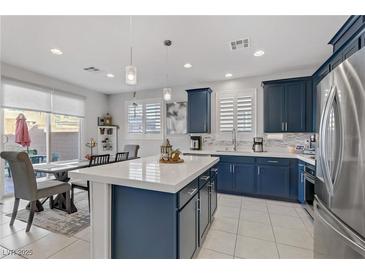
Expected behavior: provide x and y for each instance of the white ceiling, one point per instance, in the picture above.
(289, 42)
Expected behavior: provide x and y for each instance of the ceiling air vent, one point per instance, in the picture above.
(92, 69)
(240, 44)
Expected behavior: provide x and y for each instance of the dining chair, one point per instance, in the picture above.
(121, 156)
(95, 160)
(132, 150)
(26, 186)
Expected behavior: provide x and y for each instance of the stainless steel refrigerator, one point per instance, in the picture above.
(339, 219)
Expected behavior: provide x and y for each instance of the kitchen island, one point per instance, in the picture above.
(144, 209)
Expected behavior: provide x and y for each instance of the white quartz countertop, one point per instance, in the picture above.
(148, 173)
(305, 158)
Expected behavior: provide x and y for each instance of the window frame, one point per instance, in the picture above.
(143, 135)
(236, 94)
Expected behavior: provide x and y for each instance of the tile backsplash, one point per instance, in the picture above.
(280, 142)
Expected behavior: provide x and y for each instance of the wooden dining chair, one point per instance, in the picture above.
(121, 156)
(95, 160)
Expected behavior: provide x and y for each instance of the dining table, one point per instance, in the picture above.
(60, 171)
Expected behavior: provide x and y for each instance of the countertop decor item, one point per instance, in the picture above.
(168, 155)
(108, 120)
(91, 144)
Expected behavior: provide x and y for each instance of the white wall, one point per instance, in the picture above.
(96, 103)
(150, 147)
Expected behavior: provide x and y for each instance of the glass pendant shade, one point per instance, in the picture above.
(131, 75)
(167, 94)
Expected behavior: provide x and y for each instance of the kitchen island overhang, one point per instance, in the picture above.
(138, 206)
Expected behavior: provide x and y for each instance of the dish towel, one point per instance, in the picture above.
(21, 131)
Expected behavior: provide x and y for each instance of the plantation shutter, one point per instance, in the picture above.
(244, 114)
(153, 117)
(226, 114)
(135, 118)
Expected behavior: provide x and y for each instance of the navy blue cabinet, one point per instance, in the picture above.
(204, 204)
(362, 40)
(301, 183)
(288, 105)
(295, 100)
(274, 101)
(245, 178)
(225, 178)
(273, 180)
(236, 175)
(199, 110)
(188, 229)
(213, 190)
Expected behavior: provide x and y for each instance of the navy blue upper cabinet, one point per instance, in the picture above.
(274, 100)
(288, 105)
(199, 110)
(295, 100)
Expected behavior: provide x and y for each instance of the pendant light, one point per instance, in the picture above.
(131, 71)
(167, 91)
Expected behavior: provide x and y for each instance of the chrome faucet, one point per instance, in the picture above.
(234, 139)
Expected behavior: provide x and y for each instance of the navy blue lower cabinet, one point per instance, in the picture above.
(188, 229)
(301, 183)
(144, 223)
(213, 190)
(245, 178)
(225, 178)
(273, 181)
(204, 204)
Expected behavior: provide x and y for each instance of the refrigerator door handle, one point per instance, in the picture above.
(323, 136)
(345, 233)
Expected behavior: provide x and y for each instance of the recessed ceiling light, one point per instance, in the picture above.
(188, 65)
(228, 75)
(259, 53)
(56, 51)
(110, 75)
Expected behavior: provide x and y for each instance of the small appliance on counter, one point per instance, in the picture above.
(258, 144)
(195, 142)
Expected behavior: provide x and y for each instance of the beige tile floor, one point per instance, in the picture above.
(42, 243)
(254, 228)
(244, 227)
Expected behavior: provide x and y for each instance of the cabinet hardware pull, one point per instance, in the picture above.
(286, 126)
(205, 178)
(282, 126)
(258, 170)
(195, 190)
(233, 168)
(272, 161)
(230, 168)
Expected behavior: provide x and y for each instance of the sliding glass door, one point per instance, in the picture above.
(37, 150)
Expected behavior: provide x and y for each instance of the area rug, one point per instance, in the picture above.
(58, 221)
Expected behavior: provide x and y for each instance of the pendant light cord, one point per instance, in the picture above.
(131, 39)
(167, 65)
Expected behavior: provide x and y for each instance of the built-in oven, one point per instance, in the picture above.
(309, 181)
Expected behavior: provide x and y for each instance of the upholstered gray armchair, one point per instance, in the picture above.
(26, 187)
(132, 151)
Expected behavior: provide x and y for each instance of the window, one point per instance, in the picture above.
(54, 120)
(144, 118)
(236, 110)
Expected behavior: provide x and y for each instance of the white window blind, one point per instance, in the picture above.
(226, 117)
(135, 118)
(236, 110)
(27, 97)
(68, 104)
(244, 114)
(19, 95)
(153, 117)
